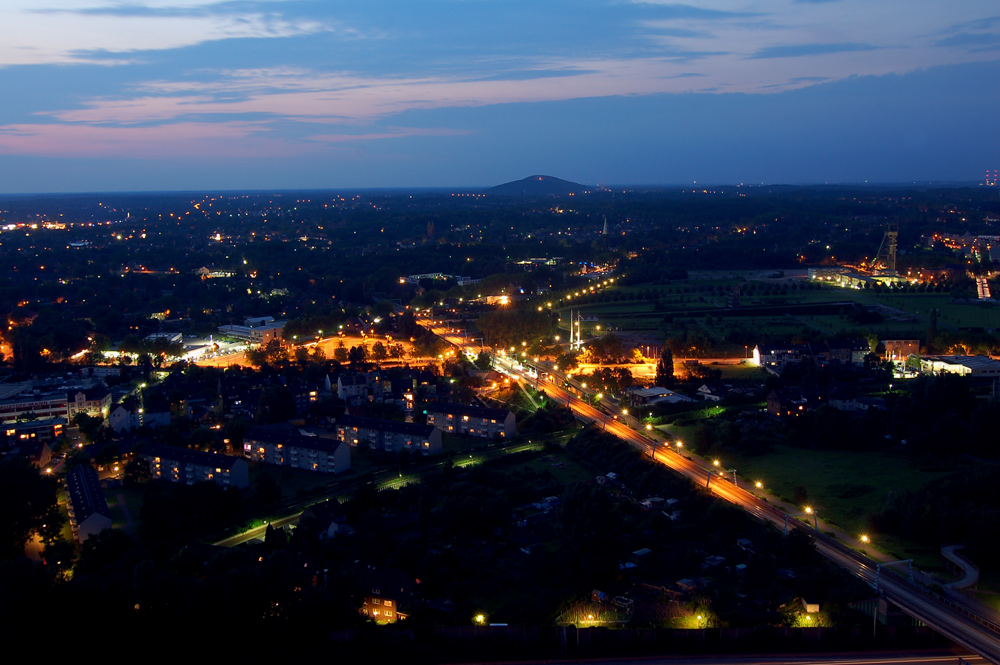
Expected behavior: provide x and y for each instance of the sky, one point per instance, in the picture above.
(143, 95)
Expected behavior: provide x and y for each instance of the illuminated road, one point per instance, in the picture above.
(954, 620)
(975, 629)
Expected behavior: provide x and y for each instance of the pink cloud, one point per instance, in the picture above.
(192, 139)
(227, 139)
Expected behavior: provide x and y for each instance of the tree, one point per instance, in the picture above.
(27, 506)
(379, 352)
(137, 471)
(340, 354)
(90, 426)
(358, 356)
(665, 368)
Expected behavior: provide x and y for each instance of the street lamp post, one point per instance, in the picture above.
(711, 472)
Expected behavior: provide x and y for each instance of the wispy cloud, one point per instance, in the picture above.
(230, 139)
(971, 39)
(800, 50)
(347, 89)
(101, 32)
(672, 10)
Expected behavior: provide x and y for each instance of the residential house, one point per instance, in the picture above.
(786, 402)
(775, 358)
(472, 420)
(124, 418)
(156, 411)
(37, 452)
(352, 389)
(387, 591)
(88, 509)
(388, 435)
(849, 351)
(180, 465)
(281, 446)
(45, 431)
(715, 391)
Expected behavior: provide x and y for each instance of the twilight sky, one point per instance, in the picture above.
(107, 95)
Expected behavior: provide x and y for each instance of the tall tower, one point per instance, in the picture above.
(886, 259)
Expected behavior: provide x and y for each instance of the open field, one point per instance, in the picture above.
(960, 315)
(125, 503)
(843, 486)
(685, 307)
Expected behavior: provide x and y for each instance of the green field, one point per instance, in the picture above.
(685, 307)
(125, 503)
(843, 486)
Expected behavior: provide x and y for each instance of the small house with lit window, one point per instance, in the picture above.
(386, 592)
(472, 420)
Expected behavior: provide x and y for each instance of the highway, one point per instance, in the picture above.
(955, 620)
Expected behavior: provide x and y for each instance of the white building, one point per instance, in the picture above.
(974, 366)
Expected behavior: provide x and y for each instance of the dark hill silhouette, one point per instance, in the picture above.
(539, 185)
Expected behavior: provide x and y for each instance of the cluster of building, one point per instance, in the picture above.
(848, 351)
(255, 331)
(43, 402)
(774, 358)
(461, 280)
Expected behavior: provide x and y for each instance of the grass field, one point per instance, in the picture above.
(125, 503)
(960, 315)
(741, 372)
(843, 486)
(562, 467)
